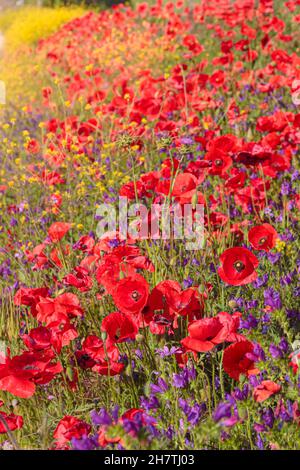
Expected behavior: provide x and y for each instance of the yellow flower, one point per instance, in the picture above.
(280, 245)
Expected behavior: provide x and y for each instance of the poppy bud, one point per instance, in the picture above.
(121, 275)
(101, 311)
(232, 304)
(201, 289)
(194, 200)
(103, 335)
(173, 261)
(140, 338)
(69, 373)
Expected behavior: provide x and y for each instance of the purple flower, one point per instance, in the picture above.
(260, 281)
(253, 380)
(272, 298)
(288, 278)
(160, 387)
(268, 418)
(165, 351)
(85, 443)
(259, 442)
(291, 313)
(283, 345)
(188, 282)
(229, 422)
(13, 222)
(285, 188)
(150, 403)
(259, 427)
(274, 257)
(241, 394)
(296, 292)
(100, 418)
(115, 413)
(282, 412)
(196, 413)
(258, 352)
(193, 413)
(249, 323)
(223, 410)
(275, 351)
(179, 381)
(170, 433)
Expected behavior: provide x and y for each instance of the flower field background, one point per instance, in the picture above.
(121, 343)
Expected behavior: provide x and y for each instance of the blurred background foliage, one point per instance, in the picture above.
(62, 3)
(88, 3)
(25, 26)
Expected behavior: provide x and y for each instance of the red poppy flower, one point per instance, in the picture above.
(38, 339)
(30, 297)
(56, 335)
(238, 360)
(190, 41)
(58, 230)
(38, 257)
(109, 368)
(160, 304)
(79, 279)
(63, 332)
(231, 323)
(265, 390)
(169, 167)
(238, 266)
(131, 294)
(12, 421)
(101, 358)
(20, 374)
(235, 181)
(217, 79)
(131, 190)
(190, 304)
(219, 162)
(112, 265)
(263, 237)
(206, 333)
(132, 413)
(63, 307)
(33, 146)
(84, 244)
(70, 427)
(51, 178)
(119, 327)
(184, 188)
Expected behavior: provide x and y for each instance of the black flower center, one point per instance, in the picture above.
(239, 266)
(118, 333)
(135, 295)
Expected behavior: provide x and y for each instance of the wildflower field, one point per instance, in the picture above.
(150, 339)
